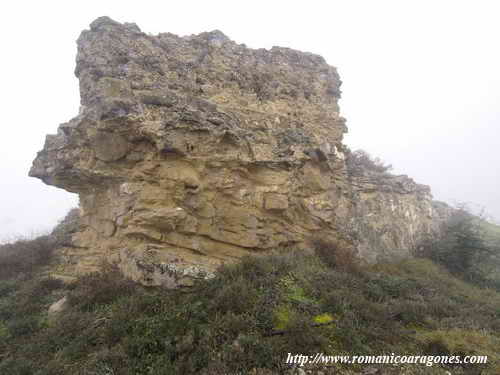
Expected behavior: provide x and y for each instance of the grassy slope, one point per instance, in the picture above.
(229, 324)
(491, 234)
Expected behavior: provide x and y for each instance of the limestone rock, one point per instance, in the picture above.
(58, 306)
(189, 152)
(275, 201)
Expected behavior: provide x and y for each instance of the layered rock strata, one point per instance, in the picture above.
(189, 152)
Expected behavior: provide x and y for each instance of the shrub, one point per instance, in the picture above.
(461, 342)
(47, 285)
(25, 256)
(361, 160)
(100, 288)
(7, 287)
(17, 366)
(336, 257)
(461, 245)
(22, 325)
(236, 297)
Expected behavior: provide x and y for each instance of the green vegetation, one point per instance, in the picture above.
(248, 317)
(469, 247)
(25, 256)
(490, 265)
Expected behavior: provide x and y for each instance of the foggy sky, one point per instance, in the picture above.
(421, 83)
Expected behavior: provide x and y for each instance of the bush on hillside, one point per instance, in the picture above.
(361, 159)
(334, 256)
(25, 256)
(99, 288)
(461, 245)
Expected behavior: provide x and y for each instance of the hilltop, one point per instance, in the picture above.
(191, 152)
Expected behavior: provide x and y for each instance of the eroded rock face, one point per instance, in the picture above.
(193, 151)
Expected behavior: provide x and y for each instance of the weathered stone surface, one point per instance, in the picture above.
(154, 266)
(109, 146)
(193, 151)
(392, 214)
(58, 306)
(275, 201)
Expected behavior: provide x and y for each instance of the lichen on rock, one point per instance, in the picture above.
(193, 151)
